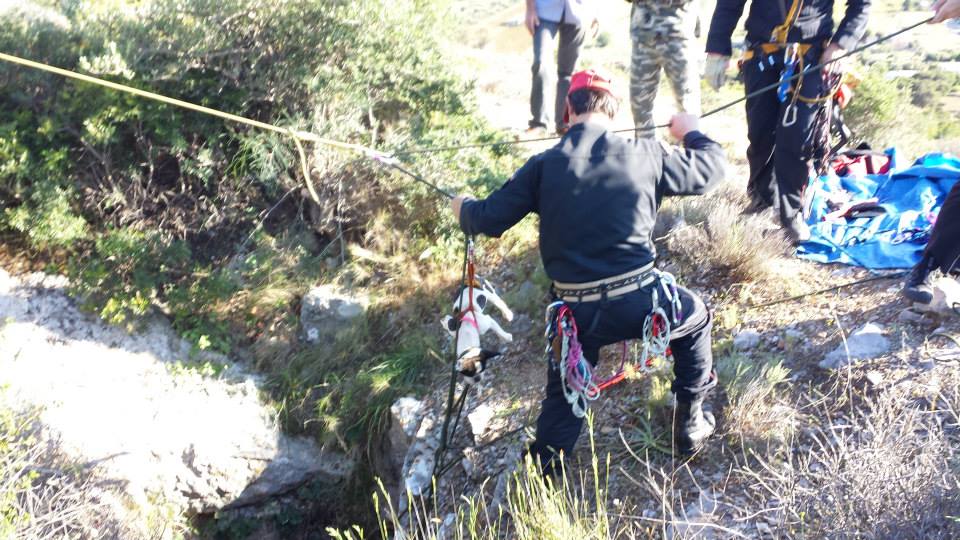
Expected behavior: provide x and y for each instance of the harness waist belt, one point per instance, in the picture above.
(770, 48)
(611, 287)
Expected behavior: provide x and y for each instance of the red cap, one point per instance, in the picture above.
(591, 79)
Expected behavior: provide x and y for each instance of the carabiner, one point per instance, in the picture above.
(789, 68)
(790, 115)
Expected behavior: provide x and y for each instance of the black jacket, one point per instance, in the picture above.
(597, 195)
(814, 24)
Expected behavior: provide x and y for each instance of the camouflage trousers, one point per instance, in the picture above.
(663, 40)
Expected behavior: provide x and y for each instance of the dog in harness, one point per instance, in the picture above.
(469, 322)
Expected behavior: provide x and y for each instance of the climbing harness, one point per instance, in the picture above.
(564, 351)
(782, 31)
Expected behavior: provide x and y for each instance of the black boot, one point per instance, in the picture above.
(756, 206)
(918, 287)
(692, 426)
(797, 230)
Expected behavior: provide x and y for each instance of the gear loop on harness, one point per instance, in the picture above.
(565, 352)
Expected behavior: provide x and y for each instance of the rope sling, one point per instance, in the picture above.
(564, 351)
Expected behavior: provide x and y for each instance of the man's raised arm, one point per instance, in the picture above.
(725, 17)
(694, 169)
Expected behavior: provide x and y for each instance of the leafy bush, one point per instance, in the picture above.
(878, 103)
(173, 193)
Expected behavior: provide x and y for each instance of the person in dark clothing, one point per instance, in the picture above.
(942, 251)
(780, 124)
(597, 196)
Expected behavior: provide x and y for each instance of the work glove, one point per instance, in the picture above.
(715, 72)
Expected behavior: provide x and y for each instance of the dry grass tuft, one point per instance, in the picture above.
(44, 496)
(534, 508)
(712, 239)
(889, 470)
(754, 415)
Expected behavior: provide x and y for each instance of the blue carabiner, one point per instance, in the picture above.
(789, 68)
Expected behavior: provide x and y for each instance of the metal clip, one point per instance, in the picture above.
(790, 115)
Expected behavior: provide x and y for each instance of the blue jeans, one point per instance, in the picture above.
(605, 322)
(571, 39)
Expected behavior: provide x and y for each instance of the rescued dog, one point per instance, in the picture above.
(471, 323)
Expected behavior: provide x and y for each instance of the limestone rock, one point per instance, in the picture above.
(479, 420)
(405, 417)
(326, 311)
(867, 342)
(133, 405)
(747, 339)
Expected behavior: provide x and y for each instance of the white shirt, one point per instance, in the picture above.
(565, 11)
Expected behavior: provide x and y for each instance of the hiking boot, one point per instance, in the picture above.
(797, 230)
(756, 206)
(692, 426)
(918, 287)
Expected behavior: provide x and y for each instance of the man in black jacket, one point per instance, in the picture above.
(781, 34)
(597, 196)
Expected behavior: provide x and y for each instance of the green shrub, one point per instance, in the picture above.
(145, 197)
(878, 103)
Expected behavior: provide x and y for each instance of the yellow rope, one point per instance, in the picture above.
(305, 167)
(296, 135)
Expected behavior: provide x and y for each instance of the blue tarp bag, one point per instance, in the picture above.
(896, 238)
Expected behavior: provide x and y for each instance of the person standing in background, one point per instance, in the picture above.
(663, 35)
(548, 20)
(783, 36)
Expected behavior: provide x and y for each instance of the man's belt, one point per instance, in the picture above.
(770, 48)
(611, 287)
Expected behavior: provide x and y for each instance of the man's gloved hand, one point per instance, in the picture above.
(715, 71)
(832, 51)
(456, 203)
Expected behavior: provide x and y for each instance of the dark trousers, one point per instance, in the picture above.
(944, 245)
(779, 155)
(545, 106)
(619, 319)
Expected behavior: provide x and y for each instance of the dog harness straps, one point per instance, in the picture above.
(565, 353)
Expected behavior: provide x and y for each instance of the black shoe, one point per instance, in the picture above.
(757, 206)
(918, 287)
(797, 230)
(692, 426)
